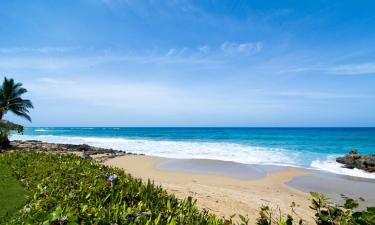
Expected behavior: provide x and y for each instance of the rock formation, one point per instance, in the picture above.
(359, 161)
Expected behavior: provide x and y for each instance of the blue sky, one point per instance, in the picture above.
(192, 63)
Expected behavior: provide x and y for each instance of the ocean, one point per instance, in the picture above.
(310, 148)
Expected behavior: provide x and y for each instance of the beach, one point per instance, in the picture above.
(228, 170)
(240, 191)
(225, 188)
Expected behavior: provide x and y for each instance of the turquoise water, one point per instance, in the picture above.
(301, 147)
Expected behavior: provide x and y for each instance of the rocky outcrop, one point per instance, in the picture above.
(359, 161)
(86, 150)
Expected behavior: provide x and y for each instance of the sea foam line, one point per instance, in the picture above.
(181, 149)
(332, 166)
(206, 150)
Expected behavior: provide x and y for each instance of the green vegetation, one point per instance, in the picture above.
(67, 189)
(11, 100)
(70, 190)
(326, 213)
(12, 194)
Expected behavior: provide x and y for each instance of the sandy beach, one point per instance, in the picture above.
(225, 188)
(223, 195)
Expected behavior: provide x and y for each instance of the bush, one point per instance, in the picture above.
(67, 189)
(6, 128)
(326, 213)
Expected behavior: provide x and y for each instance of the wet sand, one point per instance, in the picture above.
(337, 187)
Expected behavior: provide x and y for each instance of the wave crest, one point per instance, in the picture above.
(182, 149)
(330, 165)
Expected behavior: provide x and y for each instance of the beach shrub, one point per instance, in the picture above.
(326, 213)
(66, 189)
(268, 216)
(6, 128)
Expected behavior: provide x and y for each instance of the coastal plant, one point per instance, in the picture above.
(66, 189)
(326, 213)
(11, 100)
(6, 127)
(268, 216)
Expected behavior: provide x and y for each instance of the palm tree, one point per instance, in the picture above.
(10, 99)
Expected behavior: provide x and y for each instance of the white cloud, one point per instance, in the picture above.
(204, 49)
(178, 52)
(233, 48)
(352, 69)
(148, 97)
(320, 95)
(68, 62)
(54, 81)
(341, 69)
(42, 50)
(171, 52)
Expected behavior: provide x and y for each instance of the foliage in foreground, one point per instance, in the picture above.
(66, 189)
(69, 190)
(326, 213)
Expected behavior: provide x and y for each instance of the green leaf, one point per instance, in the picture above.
(73, 223)
(350, 204)
(56, 214)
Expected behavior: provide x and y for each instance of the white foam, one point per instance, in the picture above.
(41, 130)
(332, 166)
(182, 149)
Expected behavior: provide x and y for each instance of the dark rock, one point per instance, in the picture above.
(353, 152)
(87, 150)
(359, 161)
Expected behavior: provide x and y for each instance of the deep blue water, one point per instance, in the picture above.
(305, 147)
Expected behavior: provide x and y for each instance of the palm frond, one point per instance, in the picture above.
(22, 114)
(10, 99)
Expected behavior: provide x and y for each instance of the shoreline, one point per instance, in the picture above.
(206, 150)
(222, 195)
(225, 187)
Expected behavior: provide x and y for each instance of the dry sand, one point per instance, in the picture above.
(223, 195)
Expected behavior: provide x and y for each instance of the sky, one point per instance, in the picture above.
(192, 63)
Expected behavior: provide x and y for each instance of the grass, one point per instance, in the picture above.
(12, 194)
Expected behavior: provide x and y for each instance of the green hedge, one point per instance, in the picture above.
(67, 189)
